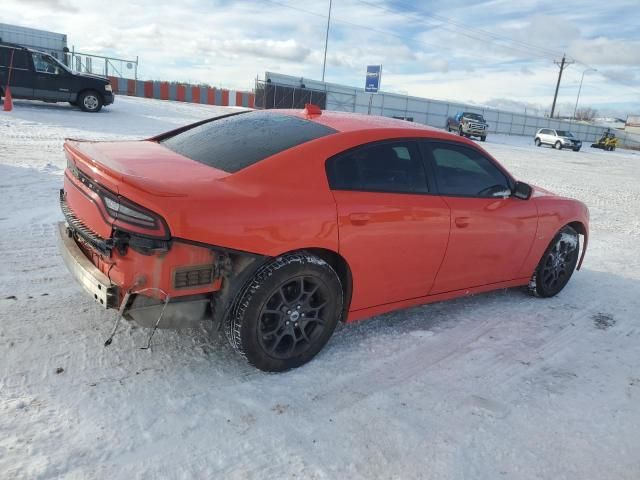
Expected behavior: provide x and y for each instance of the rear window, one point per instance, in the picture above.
(238, 141)
(20, 60)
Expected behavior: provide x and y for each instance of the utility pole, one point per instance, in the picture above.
(563, 64)
(326, 41)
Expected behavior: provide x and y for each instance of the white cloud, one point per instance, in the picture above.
(229, 43)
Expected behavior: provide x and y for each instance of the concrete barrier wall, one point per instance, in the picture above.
(182, 92)
(435, 112)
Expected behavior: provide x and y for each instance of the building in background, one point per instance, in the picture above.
(52, 43)
(632, 125)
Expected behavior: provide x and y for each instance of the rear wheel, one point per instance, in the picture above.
(287, 313)
(90, 101)
(557, 264)
(558, 145)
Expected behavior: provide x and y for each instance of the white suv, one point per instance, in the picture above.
(558, 139)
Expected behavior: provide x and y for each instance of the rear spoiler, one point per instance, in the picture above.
(171, 133)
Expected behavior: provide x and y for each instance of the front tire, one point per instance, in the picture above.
(460, 132)
(287, 312)
(538, 142)
(557, 264)
(90, 101)
(558, 145)
(483, 138)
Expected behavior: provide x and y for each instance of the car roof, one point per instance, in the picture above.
(351, 122)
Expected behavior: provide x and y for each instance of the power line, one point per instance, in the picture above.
(470, 32)
(465, 26)
(365, 27)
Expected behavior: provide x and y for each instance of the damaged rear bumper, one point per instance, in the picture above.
(145, 310)
(96, 283)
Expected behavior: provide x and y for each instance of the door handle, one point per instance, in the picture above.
(462, 222)
(359, 218)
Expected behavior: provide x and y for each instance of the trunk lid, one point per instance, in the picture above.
(143, 165)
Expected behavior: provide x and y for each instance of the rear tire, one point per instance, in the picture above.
(557, 264)
(90, 101)
(538, 142)
(558, 145)
(287, 312)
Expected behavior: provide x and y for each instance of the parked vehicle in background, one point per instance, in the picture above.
(39, 76)
(278, 224)
(607, 141)
(468, 124)
(558, 139)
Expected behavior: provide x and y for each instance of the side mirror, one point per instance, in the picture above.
(522, 191)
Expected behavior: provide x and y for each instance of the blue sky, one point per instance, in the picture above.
(495, 52)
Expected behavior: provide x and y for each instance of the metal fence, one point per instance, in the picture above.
(435, 112)
(101, 65)
(270, 95)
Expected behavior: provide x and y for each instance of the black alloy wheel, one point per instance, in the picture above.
(557, 264)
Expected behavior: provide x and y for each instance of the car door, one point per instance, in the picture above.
(51, 80)
(15, 70)
(393, 229)
(491, 231)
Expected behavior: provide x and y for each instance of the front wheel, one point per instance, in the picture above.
(483, 138)
(90, 101)
(460, 132)
(538, 142)
(287, 313)
(557, 264)
(558, 145)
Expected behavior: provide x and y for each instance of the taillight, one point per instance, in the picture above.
(119, 211)
(132, 217)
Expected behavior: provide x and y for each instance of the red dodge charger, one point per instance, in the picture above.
(277, 225)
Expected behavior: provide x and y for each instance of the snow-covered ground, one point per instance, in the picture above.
(494, 386)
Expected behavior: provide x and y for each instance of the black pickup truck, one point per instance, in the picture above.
(34, 75)
(468, 124)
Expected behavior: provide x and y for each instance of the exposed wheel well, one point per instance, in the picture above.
(340, 265)
(578, 227)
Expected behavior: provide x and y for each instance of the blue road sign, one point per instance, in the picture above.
(372, 84)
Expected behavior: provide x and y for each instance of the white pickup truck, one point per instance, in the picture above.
(468, 124)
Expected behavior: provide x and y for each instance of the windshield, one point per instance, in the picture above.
(473, 116)
(564, 133)
(62, 65)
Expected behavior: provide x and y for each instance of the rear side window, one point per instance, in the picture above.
(20, 59)
(393, 167)
(4, 57)
(238, 141)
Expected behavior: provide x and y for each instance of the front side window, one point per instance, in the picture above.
(463, 171)
(392, 167)
(44, 64)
